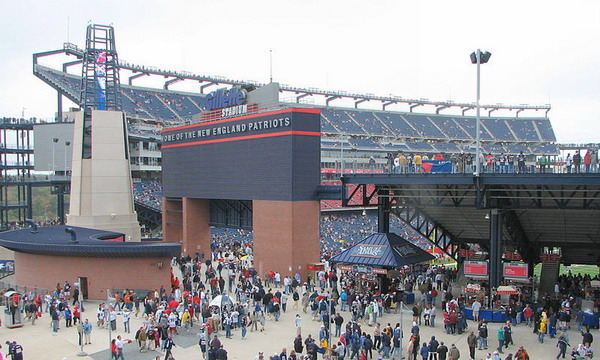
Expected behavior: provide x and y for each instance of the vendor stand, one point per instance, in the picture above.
(591, 315)
(13, 318)
(371, 259)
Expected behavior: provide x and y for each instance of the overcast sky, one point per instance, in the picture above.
(543, 51)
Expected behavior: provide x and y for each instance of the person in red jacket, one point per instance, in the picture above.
(587, 160)
(528, 314)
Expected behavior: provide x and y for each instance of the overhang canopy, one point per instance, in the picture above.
(383, 250)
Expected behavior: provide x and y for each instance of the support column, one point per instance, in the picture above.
(196, 231)
(172, 220)
(59, 112)
(286, 236)
(383, 212)
(60, 204)
(495, 248)
(29, 197)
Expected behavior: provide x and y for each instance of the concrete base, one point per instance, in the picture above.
(101, 194)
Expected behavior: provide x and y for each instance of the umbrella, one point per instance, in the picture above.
(221, 300)
(506, 290)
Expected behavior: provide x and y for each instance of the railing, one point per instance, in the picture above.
(33, 291)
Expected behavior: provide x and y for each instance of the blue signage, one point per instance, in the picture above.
(223, 98)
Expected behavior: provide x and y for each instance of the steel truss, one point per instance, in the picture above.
(408, 197)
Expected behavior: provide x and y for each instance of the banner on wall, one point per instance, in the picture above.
(437, 166)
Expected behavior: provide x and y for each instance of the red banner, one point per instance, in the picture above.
(315, 267)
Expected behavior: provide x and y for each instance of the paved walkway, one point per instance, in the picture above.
(40, 343)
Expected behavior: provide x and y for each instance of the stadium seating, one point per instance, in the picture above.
(545, 129)
(450, 127)
(427, 129)
(420, 146)
(498, 128)
(363, 143)
(524, 129)
(397, 123)
(361, 127)
(446, 147)
(149, 192)
(370, 123)
(343, 122)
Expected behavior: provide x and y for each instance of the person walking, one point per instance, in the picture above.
(454, 353)
(500, 340)
(169, 344)
(562, 346)
(119, 345)
(442, 351)
(483, 335)
(472, 343)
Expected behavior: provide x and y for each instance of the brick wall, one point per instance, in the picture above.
(44, 271)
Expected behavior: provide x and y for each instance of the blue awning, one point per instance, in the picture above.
(383, 250)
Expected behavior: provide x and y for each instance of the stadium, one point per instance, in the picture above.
(358, 131)
(341, 166)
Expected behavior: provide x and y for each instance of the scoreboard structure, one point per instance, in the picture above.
(271, 158)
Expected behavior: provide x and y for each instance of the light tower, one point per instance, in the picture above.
(101, 193)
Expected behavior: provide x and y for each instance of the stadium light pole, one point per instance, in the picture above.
(478, 58)
(67, 144)
(54, 141)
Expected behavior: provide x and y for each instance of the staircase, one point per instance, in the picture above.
(548, 277)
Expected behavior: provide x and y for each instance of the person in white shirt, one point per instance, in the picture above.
(126, 317)
(284, 300)
(432, 315)
(119, 344)
(298, 323)
(277, 279)
(112, 317)
(173, 322)
(476, 307)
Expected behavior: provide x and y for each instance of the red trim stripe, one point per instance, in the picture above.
(309, 111)
(248, 137)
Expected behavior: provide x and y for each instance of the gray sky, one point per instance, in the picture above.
(543, 51)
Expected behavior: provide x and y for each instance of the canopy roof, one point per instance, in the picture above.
(53, 240)
(383, 250)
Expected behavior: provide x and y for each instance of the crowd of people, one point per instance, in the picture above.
(518, 163)
(340, 301)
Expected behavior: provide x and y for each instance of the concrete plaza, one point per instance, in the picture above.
(39, 342)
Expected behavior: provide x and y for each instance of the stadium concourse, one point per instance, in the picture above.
(277, 328)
